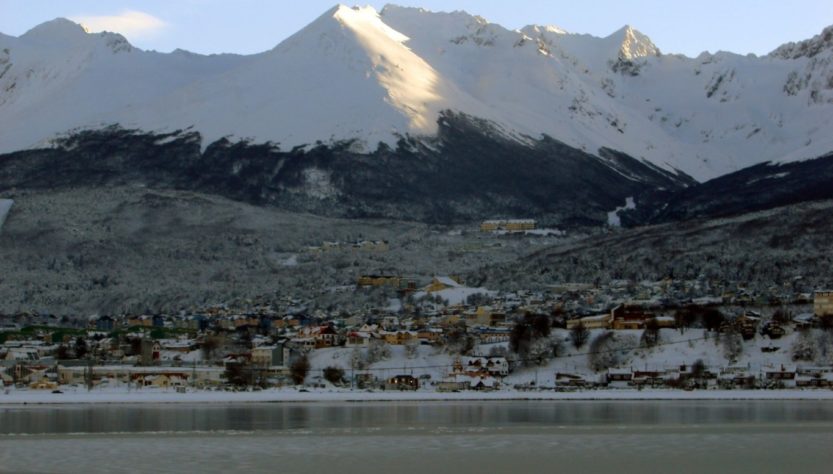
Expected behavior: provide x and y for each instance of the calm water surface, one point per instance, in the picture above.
(424, 437)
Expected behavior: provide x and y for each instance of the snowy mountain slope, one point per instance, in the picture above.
(357, 74)
(706, 116)
(58, 78)
(5, 207)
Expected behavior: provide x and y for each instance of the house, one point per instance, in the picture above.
(402, 382)
(653, 378)
(322, 336)
(161, 380)
(493, 335)
(240, 321)
(600, 321)
(567, 380)
(326, 336)
(142, 320)
(102, 323)
(736, 377)
(747, 323)
(483, 366)
(151, 351)
(486, 316)
(813, 377)
(272, 356)
(399, 338)
(43, 385)
(484, 384)
(780, 376)
(459, 382)
(178, 345)
(823, 303)
(442, 283)
(5, 378)
(619, 378)
(201, 376)
(303, 344)
(430, 335)
(358, 339)
(454, 383)
(25, 354)
(379, 280)
(636, 316)
(158, 321)
(27, 373)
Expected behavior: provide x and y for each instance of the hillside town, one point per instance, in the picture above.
(440, 336)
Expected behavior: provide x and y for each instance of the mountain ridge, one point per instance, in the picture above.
(705, 116)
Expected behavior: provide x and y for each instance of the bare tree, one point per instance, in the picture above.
(299, 370)
(650, 335)
(411, 349)
(378, 350)
(334, 375)
(732, 346)
(609, 350)
(209, 346)
(579, 335)
(804, 347)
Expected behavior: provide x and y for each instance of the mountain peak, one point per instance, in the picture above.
(807, 48)
(59, 30)
(328, 30)
(633, 44)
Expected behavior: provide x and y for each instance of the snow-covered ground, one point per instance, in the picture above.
(673, 350)
(613, 219)
(81, 396)
(431, 364)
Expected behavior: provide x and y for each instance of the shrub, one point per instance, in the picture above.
(334, 375)
(299, 370)
(579, 335)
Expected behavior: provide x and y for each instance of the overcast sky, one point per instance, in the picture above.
(250, 26)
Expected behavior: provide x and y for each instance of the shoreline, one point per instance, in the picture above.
(122, 397)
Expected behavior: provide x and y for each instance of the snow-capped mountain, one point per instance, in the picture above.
(370, 77)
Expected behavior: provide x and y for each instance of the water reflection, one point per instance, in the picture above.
(413, 416)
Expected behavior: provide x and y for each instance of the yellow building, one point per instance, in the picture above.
(379, 280)
(399, 338)
(508, 225)
(485, 316)
(601, 321)
(43, 385)
(823, 303)
(443, 283)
